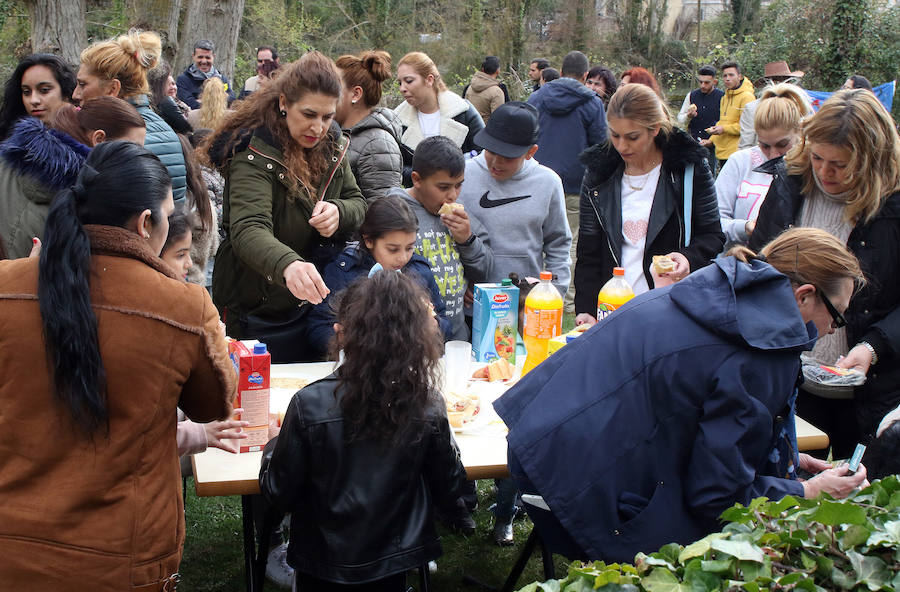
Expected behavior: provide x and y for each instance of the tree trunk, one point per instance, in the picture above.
(58, 27)
(216, 20)
(157, 15)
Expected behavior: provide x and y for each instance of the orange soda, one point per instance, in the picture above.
(616, 292)
(543, 321)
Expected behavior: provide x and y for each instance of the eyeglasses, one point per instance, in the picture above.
(837, 319)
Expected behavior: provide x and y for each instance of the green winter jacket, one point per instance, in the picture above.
(267, 228)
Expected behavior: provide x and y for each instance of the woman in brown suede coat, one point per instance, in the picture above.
(99, 343)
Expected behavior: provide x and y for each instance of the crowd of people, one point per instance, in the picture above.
(147, 215)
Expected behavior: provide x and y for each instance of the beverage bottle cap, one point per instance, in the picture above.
(259, 348)
(546, 276)
(506, 282)
(619, 271)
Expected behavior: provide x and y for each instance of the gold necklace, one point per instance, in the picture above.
(646, 178)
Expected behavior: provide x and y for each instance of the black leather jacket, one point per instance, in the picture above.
(874, 312)
(600, 232)
(360, 511)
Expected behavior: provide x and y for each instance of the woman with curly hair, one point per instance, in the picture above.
(290, 203)
(39, 85)
(365, 454)
(213, 105)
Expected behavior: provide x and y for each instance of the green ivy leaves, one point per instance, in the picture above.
(787, 545)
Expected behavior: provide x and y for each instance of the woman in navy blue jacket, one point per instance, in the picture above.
(685, 397)
(388, 235)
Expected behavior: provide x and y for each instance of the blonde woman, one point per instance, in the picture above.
(633, 201)
(844, 177)
(740, 188)
(118, 67)
(429, 109)
(213, 106)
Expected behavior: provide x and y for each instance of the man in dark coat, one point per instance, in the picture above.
(643, 430)
(190, 82)
(571, 118)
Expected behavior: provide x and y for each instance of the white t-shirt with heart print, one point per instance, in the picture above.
(636, 205)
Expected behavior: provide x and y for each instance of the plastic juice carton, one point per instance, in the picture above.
(252, 361)
(495, 320)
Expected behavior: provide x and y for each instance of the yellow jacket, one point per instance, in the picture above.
(730, 109)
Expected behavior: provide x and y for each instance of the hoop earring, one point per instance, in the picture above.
(283, 113)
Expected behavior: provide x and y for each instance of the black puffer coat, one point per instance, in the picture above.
(600, 232)
(874, 313)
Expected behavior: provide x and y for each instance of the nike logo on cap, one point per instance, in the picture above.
(493, 203)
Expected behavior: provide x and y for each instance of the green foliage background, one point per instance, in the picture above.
(828, 39)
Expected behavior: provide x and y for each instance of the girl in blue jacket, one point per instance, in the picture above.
(387, 237)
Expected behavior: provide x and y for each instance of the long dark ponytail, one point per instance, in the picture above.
(118, 181)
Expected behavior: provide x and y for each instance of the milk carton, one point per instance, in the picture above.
(495, 320)
(252, 362)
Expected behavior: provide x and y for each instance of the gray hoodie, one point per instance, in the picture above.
(523, 218)
(452, 263)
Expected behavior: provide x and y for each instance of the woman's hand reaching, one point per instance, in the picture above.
(225, 434)
(304, 282)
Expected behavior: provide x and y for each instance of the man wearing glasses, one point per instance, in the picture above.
(190, 82)
(266, 63)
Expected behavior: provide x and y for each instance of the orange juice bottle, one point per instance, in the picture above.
(543, 321)
(613, 294)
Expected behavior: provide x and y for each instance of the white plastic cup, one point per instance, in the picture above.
(457, 362)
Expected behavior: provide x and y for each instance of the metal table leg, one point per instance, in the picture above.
(250, 577)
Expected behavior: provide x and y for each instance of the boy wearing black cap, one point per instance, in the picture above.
(519, 202)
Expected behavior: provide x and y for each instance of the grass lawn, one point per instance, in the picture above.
(213, 557)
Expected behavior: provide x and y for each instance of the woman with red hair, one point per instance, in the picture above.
(642, 76)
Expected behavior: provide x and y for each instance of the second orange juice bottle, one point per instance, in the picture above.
(543, 320)
(614, 293)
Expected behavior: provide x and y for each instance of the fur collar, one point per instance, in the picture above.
(118, 242)
(47, 155)
(678, 150)
(450, 105)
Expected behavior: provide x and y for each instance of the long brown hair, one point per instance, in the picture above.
(809, 256)
(857, 121)
(392, 349)
(110, 114)
(198, 194)
(312, 73)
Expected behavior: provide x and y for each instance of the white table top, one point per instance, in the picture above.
(482, 445)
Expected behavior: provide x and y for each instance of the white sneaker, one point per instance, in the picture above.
(277, 569)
